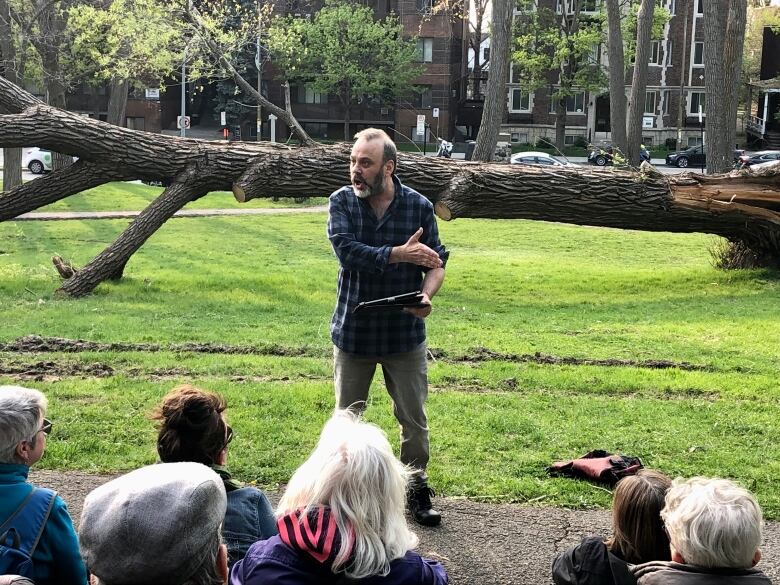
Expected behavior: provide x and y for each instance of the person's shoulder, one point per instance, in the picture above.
(415, 197)
(341, 194)
(413, 568)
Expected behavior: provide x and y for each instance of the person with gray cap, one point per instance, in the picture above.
(156, 525)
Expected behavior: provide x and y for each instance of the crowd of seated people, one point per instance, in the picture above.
(186, 521)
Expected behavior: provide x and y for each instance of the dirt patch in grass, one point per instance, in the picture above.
(38, 344)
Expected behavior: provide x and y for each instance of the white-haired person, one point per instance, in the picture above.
(714, 529)
(341, 518)
(157, 525)
(56, 558)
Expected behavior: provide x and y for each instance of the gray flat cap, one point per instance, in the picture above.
(152, 525)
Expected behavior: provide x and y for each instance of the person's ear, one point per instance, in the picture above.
(757, 557)
(23, 451)
(222, 563)
(390, 166)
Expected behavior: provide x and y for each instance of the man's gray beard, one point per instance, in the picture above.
(370, 189)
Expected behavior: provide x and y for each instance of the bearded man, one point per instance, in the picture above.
(385, 237)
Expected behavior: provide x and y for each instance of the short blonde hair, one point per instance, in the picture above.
(713, 523)
(354, 472)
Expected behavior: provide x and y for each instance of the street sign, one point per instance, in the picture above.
(182, 122)
(647, 121)
(700, 114)
(153, 93)
(421, 125)
(435, 112)
(223, 118)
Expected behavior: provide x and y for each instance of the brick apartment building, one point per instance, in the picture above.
(675, 79)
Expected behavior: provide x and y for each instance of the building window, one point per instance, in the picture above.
(696, 99)
(519, 137)
(668, 4)
(519, 100)
(575, 104)
(655, 53)
(423, 97)
(647, 140)
(136, 123)
(699, 7)
(425, 5)
(694, 141)
(667, 96)
(586, 6)
(485, 55)
(698, 53)
(651, 102)
(514, 73)
(424, 50)
(306, 95)
(316, 129)
(668, 54)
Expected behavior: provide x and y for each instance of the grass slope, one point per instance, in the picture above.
(513, 287)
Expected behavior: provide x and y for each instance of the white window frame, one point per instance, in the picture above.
(424, 50)
(703, 101)
(528, 96)
(655, 102)
(693, 55)
(574, 100)
(699, 7)
(668, 53)
(655, 54)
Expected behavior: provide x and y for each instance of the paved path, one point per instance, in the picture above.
(60, 215)
(480, 544)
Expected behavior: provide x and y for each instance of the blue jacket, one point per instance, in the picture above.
(249, 518)
(57, 559)
(273, 561)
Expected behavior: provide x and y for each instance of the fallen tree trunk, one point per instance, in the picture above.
(743, 207)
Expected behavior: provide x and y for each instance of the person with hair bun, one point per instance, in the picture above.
(341, 519)
(192, 427)
(638, 536)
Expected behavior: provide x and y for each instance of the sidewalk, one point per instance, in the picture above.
(480, 544)
(60, 215)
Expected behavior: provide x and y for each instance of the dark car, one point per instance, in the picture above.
(755, 158)
(693, 156)
(604, 154)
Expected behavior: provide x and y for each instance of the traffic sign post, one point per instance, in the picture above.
(701, 128)
(182, 122)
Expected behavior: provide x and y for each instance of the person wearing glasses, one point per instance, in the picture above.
(23, 431)
(192, 427)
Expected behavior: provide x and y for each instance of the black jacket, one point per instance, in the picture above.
(590, 563)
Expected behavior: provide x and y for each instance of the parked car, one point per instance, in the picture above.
(36, 160)
(540, 159)
(749, 159)
(693, 156)
(603, 154)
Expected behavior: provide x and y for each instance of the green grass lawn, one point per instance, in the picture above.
(513, 287)
(136, 196)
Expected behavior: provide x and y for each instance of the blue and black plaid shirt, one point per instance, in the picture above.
(362, 244)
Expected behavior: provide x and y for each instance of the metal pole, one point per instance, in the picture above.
(183, 92)
(425, 139)
(685, 51)
(259, 64)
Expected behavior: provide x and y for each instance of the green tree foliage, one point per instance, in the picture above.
(135, 40)
(344, 51)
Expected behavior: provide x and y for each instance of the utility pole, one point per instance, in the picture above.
(685, 51)
(183, 92)
(259, 65)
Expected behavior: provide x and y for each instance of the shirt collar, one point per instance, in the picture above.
(13, 472)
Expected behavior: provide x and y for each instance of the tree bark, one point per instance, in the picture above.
(12, 157)
(636, 104)
(724, 33)
(560, 124)
(741, 206)
(617, 77)
(495, 94)
(117, 101)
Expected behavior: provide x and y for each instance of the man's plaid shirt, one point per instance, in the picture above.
(362, 244)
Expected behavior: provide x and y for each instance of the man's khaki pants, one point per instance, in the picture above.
(406, 378)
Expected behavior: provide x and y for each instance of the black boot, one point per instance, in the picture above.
(418, 499)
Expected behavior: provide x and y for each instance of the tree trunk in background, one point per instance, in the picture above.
(636, 104)
(560, 124)
(724, 33)
(495, 94)
(51, 24)
(617, 77)
(117, 101)
(742, 207)
(12, 157)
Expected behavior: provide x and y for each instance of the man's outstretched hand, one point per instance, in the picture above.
(415, 252)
